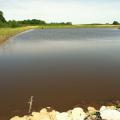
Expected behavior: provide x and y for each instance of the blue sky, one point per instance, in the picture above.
(76, 11)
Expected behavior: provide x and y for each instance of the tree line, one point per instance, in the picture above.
(14, 23)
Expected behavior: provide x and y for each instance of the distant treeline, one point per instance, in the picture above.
(14, 23)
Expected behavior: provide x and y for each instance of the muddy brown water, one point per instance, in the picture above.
(61, 68)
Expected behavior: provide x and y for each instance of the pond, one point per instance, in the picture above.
(59, 67)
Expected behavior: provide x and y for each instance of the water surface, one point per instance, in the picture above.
(60, 68)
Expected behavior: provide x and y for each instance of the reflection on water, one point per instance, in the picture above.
(59, 67)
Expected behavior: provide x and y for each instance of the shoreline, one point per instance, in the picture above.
(6, 33)
(104, 113)
(78, 26)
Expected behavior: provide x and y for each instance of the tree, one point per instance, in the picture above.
(2, 19)
(13, 24)
(69, 23)
(116, 23)
(1, 24)
(32, 22)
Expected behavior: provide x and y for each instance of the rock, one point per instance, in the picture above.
(91, 110)
(19, 118)
(95, 116)
(45, 115)
(105, 113)
(39, 116)
(62, 116)
(75, 114)
(108, 113)
(78, 114)
(42, 115)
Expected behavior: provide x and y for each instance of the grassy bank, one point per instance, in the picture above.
(98, 26)
(6, 33)
(79, 26)
(56, 26)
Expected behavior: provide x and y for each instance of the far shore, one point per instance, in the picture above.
(81, 26)
(6, 33)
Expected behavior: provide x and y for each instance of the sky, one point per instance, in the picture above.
(75, 11)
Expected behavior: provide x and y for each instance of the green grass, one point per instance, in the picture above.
(79, 26)
(6, 33)
(98, 26)
(55, 26)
